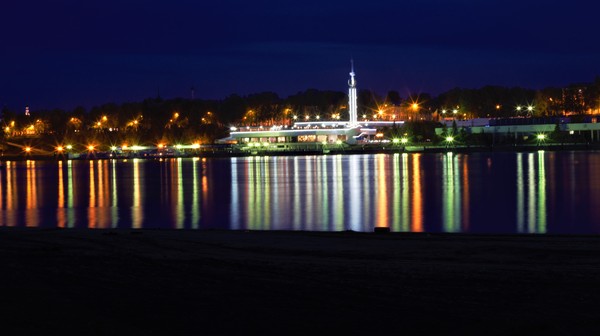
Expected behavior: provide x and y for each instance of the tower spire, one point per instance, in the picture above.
(352, 97)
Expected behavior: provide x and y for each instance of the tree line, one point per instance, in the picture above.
(180, 120)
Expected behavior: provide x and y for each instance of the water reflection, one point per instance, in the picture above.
(535, 192)
(531, 193)
(417, 202)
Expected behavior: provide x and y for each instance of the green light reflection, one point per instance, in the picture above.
(195, 193)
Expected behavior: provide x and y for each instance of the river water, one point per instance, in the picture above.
(529, 192)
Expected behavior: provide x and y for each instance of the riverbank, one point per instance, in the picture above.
(159, 282)
(356, 149)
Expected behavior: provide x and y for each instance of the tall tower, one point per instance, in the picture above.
(352, 98)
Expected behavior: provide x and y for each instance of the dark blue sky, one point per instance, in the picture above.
(66, 53)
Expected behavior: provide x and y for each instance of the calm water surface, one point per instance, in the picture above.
(537, 192)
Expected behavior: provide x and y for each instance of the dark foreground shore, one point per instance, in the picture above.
(281, 283)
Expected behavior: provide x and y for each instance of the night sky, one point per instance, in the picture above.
(67, 53)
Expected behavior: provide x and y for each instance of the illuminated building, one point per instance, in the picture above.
(306, 133)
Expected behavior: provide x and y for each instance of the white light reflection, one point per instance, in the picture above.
(355, 193)
(338, 191)
(234, 211)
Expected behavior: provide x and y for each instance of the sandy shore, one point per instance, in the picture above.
(238, 283)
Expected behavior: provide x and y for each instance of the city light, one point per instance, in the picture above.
(59, 149)
(404, 140)
(449, 139)
(90, 148)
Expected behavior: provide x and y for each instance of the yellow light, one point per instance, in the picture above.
(380, 111)
(415, 106)
(28, 149)
(113, 148)
(104, 118)
(196, 145)
(404, 140)
(161, 145)
(7, 129)
(124, 146)
(69, 147)
(175, 115)
(90, 147)
(98, 123)
(379, 135)
(449, 139)
(59, 148)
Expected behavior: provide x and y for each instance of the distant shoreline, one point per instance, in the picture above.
(357, 149)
